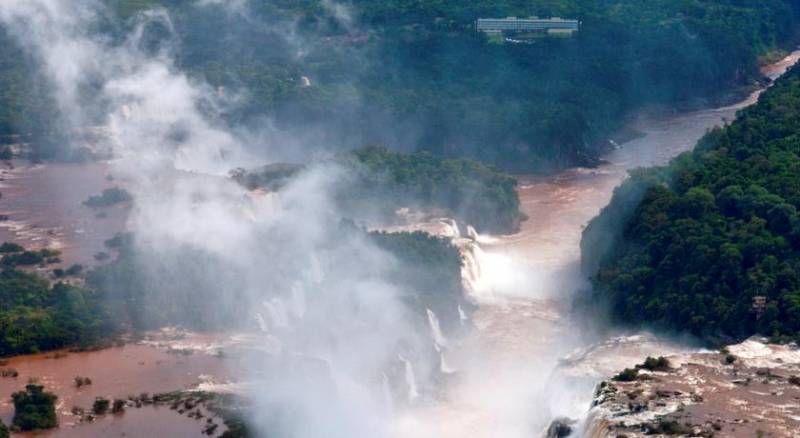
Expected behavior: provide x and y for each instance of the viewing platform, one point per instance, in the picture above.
(531, 25)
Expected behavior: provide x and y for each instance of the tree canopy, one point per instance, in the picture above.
(711, 243)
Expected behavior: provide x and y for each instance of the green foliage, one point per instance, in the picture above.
(4, 432)
(7, 247)
(429, 270)
(418, 75)
(109, 197)
(655, 364)
(467, 190)
(100, 406)
(712, 231)
(627, 375)
(34, 408)
(35, 316)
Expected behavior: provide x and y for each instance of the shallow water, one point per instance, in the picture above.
(44, 205)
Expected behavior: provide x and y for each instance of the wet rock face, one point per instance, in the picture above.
(560, 428)
(750, 390)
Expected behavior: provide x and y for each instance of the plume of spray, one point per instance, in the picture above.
(315, 288)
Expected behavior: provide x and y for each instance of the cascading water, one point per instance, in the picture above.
(444, 367)
(316, 273)
(262, 325)
(472, 234)
(277, 313)
(388, 399)
(411, 379)
(471, 272)
(463, 319)
(436, 329)
(451, 229)
(298, 300)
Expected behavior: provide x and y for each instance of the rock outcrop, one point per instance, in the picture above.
(747, 390)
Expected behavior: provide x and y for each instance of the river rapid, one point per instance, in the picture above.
(527, 361)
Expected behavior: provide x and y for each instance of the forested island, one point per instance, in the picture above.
(710, 244)
(376, 182)
(418, 76)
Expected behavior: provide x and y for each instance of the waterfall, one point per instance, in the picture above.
(317, 275)
(462, 316)
(436, 330)
(298, 300)
(277, 313)
(444, 367)
(262, 325)
(387, 394)
(411, 380)
(472, 234)
(471, 272)
(451, 229)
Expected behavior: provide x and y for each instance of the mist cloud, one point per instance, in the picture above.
(318, 291)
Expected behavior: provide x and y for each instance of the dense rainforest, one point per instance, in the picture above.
(417, 75)
(376, 182)
(710, 244)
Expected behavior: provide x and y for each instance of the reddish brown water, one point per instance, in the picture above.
(122, 372)
(520, 333)
(44, 205)
(508, 385)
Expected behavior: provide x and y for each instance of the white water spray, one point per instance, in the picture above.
(463, 319)
(298, 300)
(388, 399)
(411, 379)
(262, 325)
(436, 329)
(277, 313)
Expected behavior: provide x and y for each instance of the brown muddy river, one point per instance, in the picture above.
(506, 368)
(44, 207)
(510, 384)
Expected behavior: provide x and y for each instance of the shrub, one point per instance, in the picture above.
(627, 375)
(82, 381)
(118, 407)
(34, 408)
(100, 406)
(655, 364)
(8, 247)
(109, 197)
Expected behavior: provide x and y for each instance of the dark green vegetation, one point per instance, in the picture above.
(15, 255)
(109, 197)
(34, 409)
(711, 243)
(429, 269)
(417, 75)
(37, 316)
(469, 191)
(660, 363)
(182, 288)
(100, 406)
(377, 181)
(650, 364)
